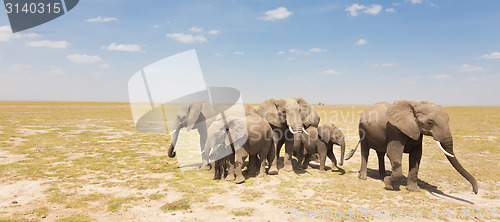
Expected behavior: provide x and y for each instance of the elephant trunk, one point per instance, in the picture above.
(171, 152)
(342, 152)
(447, 145)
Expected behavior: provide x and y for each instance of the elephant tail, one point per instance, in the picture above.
(351, 153)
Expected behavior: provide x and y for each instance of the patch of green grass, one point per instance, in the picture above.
(77, 218)
(246, 211)
(182, 204)
(249, 195)
(39, 211)
(121, 203)
(215, 207)
(156, 196)
(55, 195)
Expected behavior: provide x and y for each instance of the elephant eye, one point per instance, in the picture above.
(431, 122)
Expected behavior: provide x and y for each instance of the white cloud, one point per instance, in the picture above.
(373, 10)
(470, 68)
(213, 32)
(239, 53)
(105, 66)
(292, 50)
(56, 70)
(195, 29)
(156, 26)
(493, 55)
(329, 72)
(123, 47)
(280, 53)
(49, 44)
(19, 68)
(353, 9)
(384, 65)
(219, 54)
(101, 19)
(290, 58)
(317, 50)
(7, 35)
(276, 14)
(186, 38)
(442, 76)
(77, 58)
(361, 42)
(390, 10)
(298, 51)
(416, 1)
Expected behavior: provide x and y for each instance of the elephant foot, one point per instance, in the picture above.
(382, 176)
(288, 168)
(273, 171)
(205, 167)
(305, 166)
(413, 187)
(239, 179)
(261, 175)
(230, 177)
(322, 171)
(217, 177)
(362, 176)
(389, 184)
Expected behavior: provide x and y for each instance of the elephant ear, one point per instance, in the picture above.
(401, 114)
(324, 133)
(194, 114)
(237, 130)
(269, 111)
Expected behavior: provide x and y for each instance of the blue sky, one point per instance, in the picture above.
(333, 52)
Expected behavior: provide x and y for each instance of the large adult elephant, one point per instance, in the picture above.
(198, 115)
(288, 118)
(398, 128)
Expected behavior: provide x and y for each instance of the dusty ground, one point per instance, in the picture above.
(86, 162)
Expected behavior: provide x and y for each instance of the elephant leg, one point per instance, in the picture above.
(230, 167)
(395, 153)
(331, 156)
(300, 156)
(271, 159)
(288, 156)
(305, 163)
(203, 138)
(322, 159)
(365, 151)
(381, 164)
(262, 154)
(218, 169)
(414, 159)
(277, 143)
(253, 164)
(241, 155)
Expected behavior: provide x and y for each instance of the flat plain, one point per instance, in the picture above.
(64, 161)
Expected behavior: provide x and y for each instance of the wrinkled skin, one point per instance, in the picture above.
(255, 139)
(321, 140)
(398, 128)
(288, 118)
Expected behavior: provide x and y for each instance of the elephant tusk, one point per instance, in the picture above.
(202, 152)
(304, 130)
(291, 130)
(444, 151)
(172, 132)
(211, 152)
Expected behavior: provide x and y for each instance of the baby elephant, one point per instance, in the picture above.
(320, 140)
(250, 135)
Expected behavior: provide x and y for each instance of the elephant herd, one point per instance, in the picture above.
(389, 128)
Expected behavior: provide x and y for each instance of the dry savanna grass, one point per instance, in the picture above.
(86, 162)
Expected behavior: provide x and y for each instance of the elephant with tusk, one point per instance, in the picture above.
(398, 128)
(288, 117)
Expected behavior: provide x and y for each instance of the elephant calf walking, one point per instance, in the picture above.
(321, 140)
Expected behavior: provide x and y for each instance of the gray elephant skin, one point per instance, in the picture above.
(320, 140)
(195, 115)
(288, 118)
(257, 138)
(398, 128)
